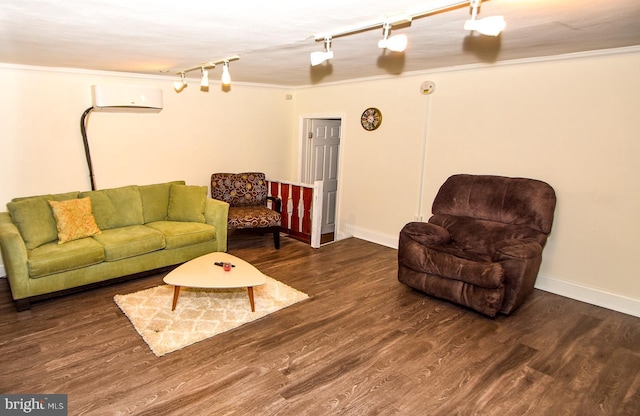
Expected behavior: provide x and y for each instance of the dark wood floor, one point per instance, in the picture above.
(364, 344)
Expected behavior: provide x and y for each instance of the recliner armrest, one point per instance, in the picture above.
(512, 248)
(426, 233)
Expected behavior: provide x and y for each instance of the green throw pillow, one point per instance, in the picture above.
(34, 220)
(186, 203)
(155, 200)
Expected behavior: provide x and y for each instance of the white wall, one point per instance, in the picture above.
(574, 123)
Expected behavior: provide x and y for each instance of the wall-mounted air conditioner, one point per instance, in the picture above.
(126, 98)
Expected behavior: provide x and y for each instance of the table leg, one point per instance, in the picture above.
(250, 290)
(176, 293)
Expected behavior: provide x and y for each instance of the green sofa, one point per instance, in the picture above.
(139, 229)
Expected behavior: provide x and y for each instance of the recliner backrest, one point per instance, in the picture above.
(514, 201)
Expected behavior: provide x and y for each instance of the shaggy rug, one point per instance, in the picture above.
(200, 313)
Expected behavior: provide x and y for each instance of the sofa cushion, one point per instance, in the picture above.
(155, 200)
(181, 234)
(34, 218)
(74, 219)
(130, 241)
(53, 258)
(117, 207)
(186, 203)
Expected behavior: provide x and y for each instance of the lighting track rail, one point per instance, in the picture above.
(490, 26)
(203, 68)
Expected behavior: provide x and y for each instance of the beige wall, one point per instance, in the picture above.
(571, 122)
(194, 135)
(574, 123)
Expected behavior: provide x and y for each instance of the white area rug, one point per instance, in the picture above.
(200, 313)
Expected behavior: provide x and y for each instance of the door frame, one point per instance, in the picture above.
(302, 136)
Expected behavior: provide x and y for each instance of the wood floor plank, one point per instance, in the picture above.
(362, 344)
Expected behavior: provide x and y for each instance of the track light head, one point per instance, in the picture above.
(319, 57)
(488, 26)
(226, 76)
(180, 85)
(204, 82)
(397, 43)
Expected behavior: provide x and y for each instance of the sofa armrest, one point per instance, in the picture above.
(14, 257)
(216, 213)
(517, 249)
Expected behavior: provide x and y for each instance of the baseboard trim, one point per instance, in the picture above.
(591, 295)
(372, 236)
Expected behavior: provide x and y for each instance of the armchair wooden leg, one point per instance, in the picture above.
(276, 239)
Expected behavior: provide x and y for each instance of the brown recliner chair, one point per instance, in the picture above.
(482, 248)
(246, 194)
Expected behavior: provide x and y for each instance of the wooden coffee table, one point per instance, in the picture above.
(201, 272)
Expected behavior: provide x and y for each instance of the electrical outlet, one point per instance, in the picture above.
(427, 87)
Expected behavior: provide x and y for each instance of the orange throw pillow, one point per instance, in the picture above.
(74, 219)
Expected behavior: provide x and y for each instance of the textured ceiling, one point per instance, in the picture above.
(274, 38)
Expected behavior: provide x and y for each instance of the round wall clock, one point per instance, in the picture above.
(371, 119)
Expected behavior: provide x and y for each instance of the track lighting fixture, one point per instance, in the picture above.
(204, 67)
(319, 57)
(226, 76)
(397, 43)
(491, 26)
(204, 83)
(180, 85)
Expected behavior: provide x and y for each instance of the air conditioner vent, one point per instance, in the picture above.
(126, 98)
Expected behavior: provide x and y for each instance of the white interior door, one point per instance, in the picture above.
(324, 138)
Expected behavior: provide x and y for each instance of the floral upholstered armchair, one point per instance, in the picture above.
(246, 194)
